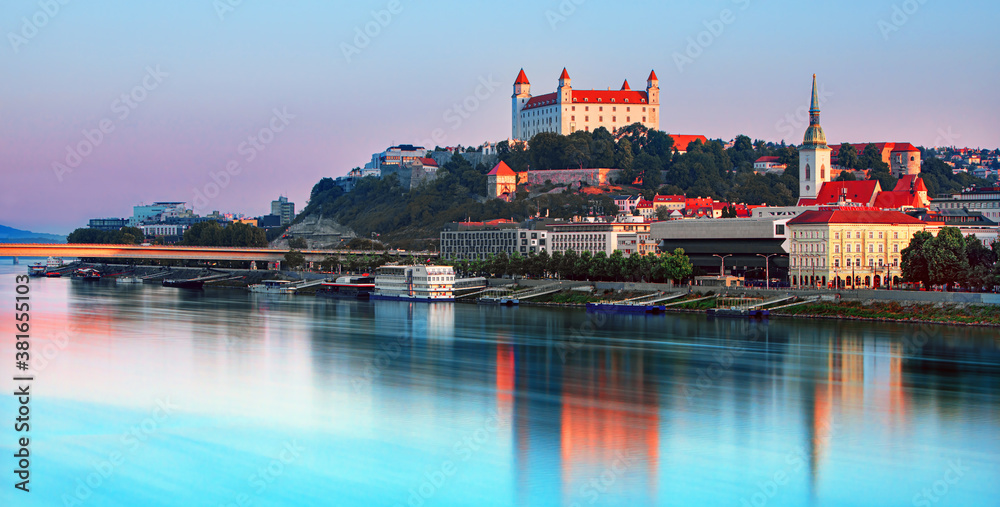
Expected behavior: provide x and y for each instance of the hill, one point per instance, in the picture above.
(12, 235)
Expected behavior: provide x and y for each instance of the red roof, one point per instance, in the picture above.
(502, 169)
(669, 198)
(644, 204)
(564, 75)
(599, 97)
(903, 147)
(860, 147)
(904, 183)
(862, 192)
(652, 76)
(428, 162)
(521, 78)
(682, 141)
(625, 85)
(898, 200)
(842, 216)
(762, 160)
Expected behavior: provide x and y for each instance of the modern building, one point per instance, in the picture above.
(970, 223)
(108, 224)
(397, 155)
(169, 230)
(482, 240)
(158, 212)
(269, 221)
(751, 247)
(596, 237)
(567, 110)
(626, 203)
(284, 209)
(983, 200)
(853, 247)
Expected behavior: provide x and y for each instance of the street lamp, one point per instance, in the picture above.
(767, 268)
(722, 267)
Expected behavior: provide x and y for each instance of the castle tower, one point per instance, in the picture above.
(814, 155)
(522, 94)
(653, 94)
(565, 90)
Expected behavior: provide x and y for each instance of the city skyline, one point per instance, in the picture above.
(168, 97)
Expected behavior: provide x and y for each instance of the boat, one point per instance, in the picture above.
(502, 301)
(357, 287)
(87, 275)
(129, 279)
(625, 308)
(272, 287)
(53, 274)
(184, 284)
(414, 283)
(54, 263)
(36, 269)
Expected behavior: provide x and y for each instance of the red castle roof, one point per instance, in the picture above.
(681, 141)
(843, 216)
(625, 85)
(564, 75)
(428, 162)
(501, 169)
(597, 97)
(652, 76)
(904, 183)
(521, 78)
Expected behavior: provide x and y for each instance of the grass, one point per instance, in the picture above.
(945, 314)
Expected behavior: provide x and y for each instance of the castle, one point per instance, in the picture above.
(567, 110)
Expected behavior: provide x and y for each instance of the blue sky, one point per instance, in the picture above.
(926, 77)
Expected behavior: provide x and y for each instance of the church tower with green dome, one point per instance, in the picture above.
(814, 155)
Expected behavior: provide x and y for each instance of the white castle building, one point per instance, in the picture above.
(568, 110)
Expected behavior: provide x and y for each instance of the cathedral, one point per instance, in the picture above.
(814, 155)
(567, 110)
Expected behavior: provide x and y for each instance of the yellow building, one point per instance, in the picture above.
(849, 248)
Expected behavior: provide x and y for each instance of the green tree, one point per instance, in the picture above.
(848, 157)
(914, 264)
(617, 266)
(294, 259)
(981, 262)
(675, 265)
(947, 260)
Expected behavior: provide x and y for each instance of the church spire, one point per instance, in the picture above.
(814, 107)
(814, 134)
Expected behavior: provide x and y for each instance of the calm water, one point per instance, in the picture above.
(153, 396)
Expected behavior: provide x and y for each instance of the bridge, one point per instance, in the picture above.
(205, 253)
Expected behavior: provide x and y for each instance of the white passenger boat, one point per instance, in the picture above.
(273, 287)
(128, 279)
(415, 283)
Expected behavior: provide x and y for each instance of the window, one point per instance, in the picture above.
(601, 108)
(871, 235)
(836, 249)
(895, 248)
(600, 118)
(572, 118)
(628, 119)
(574, 108)
(836, 235)
(848, 235)
(895, 235)
(848, 248)
(848, 260)
(614, 119)
(836, 263)
(644, 119)
(586, 118)
(857, 247)
(879, 234)
(880, 248)
(871, 248)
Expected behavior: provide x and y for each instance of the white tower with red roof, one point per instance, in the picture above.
(522, 94)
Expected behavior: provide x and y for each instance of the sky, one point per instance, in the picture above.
(227, 104)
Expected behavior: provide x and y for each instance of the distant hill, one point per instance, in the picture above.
(12, 235)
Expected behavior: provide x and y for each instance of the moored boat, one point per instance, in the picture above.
(53, 274)
(272, 287)
(357, 287)
(36, 269)
(129, 279)
(87, 275)
(415, 283)
(184, 284)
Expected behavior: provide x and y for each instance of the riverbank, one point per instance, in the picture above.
(880, 311)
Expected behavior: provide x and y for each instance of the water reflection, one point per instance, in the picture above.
(642, 410)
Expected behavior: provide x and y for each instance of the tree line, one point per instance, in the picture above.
(951, 260)
(569, 265)
(123, 236)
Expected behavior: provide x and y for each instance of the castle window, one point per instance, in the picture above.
(586, 118)
(628, 109)
(600, 108)
(574, 108)
(600, 118)
(586, 108)
(642, 100)
(626, 101)
(644, 119)
(613, 109)
(808, 171)
(572, 118)
(628, 119)
(614, 119)
(600, 99)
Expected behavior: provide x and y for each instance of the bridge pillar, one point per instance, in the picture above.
(15, 261)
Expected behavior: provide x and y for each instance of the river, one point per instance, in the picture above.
(145, 395)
